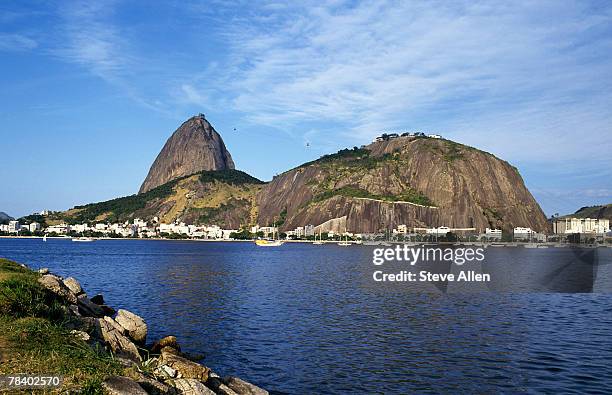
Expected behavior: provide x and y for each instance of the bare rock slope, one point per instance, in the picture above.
(420, 182)
(195, 146)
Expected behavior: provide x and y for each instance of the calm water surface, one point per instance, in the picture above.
(309, 319)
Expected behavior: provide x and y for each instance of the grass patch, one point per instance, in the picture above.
(408, 195)
(34, 337)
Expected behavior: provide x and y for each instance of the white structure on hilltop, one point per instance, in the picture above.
(434, 136)
(581, 225)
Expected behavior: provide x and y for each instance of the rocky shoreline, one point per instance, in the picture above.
(158, 368)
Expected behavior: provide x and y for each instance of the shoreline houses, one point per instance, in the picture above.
(562, 228)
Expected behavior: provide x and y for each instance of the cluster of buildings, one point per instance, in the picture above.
(390, 136)
(138, 228)
(15, 227)
(564, 226)
(143, 229)
(581, 225)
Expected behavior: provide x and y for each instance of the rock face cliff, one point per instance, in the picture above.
(416, 181)
(195, 146)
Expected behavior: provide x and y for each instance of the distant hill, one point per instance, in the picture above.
(603, 211)
(223, 197)
(4, 217)
(412, 180)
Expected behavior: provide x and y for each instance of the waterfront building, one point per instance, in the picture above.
(581, 225)
(403, 229)
(60, 229)
(13, 226)
(493, 234)
(34, 226)
(309, 230)
(441, 230)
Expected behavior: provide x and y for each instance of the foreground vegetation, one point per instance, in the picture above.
(35, 335)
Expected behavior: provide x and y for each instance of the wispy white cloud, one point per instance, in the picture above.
(16, 42)
(521, 80)
(92, 40)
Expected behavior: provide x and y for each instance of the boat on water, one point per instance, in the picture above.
(44, 237)
(497, 245)
(318, 242)
(542, 246)
(531, 245)
(269, 243)
(83, 239)
(344, 243)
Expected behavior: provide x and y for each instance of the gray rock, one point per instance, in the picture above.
(134, 325)
(73, 285)
(191, 387)
(188, 369)
(73, 309)
(165, 371)
(244, 388)
(118, 385)
(89, 309)
(111, 334)
(43, 270)
(219, 387)
(152, 386)
(55, 285)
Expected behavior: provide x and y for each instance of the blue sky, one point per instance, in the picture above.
(91, 90)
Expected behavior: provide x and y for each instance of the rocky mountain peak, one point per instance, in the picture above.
(195, 146)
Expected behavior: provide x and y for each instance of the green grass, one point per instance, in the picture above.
(408, 195)
(34, 337)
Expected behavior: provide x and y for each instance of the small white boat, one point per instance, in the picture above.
(318, 242)
(344, 243)
(542, 246)
(269, 243)
(44, 237)
(531, 245)
(83, 239)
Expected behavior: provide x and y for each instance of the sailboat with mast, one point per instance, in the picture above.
(320, 241)
(344, 243)
(270, 243)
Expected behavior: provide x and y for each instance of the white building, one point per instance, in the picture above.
(79, 228)
(581, 225)
(434, 136)
(60, 229)
(441, 230)
(495, 234)
(402, 229)
(309, 230)
(34, 226)
(13, 226)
